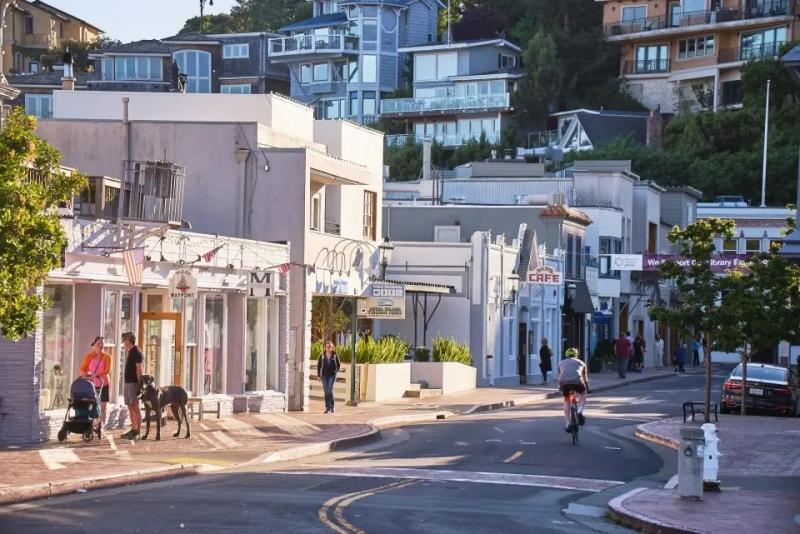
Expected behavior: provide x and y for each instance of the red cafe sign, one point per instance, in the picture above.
(545, 275)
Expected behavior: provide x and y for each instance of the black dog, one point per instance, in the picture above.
(156, 399)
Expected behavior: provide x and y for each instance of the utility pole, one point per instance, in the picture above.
(764, 159)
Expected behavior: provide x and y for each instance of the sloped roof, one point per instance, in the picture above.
(401, 3)
(190, 37)
(147, 46)
(603, 128)
(792, 56)
(331, 19)
(562, 210)
(61, 14)
(460, 44)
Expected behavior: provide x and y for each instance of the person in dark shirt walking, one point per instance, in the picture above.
(133, 378)
(327, 367)
(622, 350)
(545, 360)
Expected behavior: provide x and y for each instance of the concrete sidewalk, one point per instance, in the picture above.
(55, 469)
(761, 462)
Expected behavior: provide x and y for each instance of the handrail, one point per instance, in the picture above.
(312, 43)
(444, 103)
(747, 53)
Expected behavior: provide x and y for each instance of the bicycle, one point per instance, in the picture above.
(573, 416)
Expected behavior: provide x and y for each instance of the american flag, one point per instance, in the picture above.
(283, 268)
(134, 265)
(208, 256)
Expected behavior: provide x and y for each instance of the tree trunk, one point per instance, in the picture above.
(745, 358)
(708, 380)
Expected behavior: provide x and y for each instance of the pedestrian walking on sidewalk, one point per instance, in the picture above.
(622, 350)
(659, 351)
(132, 377)
(327, 367)
(680, 357)
(545, 360)
(638, 354)
(96, 364)
(696, 352)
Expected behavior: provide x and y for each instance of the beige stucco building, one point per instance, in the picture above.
(260, 167)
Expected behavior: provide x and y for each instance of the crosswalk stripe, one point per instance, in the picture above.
(477, 477)
(208, 441)
(240, 427)
(54, 459)
(225, 440)
(289, 424)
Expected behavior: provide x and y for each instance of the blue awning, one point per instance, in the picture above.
(322, 21)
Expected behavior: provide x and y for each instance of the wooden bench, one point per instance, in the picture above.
(197, 408)
(696, 408)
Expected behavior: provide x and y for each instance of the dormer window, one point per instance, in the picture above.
(129, 68)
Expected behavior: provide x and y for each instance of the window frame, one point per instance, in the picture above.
(370, 218)
(373, 63)
(236, 51)
(314, 70)
(635, 6)
(33, 102)
(197, 78)
(228, 89)
(707, 50)
(306, 73)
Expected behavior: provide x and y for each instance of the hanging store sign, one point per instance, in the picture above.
(545, 276)
(383, 301)
(261, 284)
(183, 284)
(626, 262)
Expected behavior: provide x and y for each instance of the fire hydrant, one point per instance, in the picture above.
(711, 456)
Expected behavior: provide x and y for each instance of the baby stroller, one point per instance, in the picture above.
(85, 405)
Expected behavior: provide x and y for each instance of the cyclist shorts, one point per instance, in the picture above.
(566, 389)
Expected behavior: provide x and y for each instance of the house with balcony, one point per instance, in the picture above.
(687, 55)
(460, 92)
(346, 59)
(263, 169)
(33, 28)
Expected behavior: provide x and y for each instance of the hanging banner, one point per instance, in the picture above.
(626, 262)
(545, 276)
(383, 301)
(183, 284)
(719, 264)
(260, 284)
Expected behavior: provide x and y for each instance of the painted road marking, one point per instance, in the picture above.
(203, 426)
(341, 525)
(478, 477)
(500, 430)
(672, 484)
(585, 510)
(54, 459)
(512, 457)
(493, 441)
(527, 443)
(289, 424)
(461, 443)
(225, 440)
(111, 442)
(208, 441)
(238, 426)
(613, 448)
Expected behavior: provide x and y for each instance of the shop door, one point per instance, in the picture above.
(523, 353)
(162, 346)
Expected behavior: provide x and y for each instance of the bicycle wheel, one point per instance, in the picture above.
(574, 421)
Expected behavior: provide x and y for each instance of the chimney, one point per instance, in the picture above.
(655, 128)
(426, 158)
(68, 79)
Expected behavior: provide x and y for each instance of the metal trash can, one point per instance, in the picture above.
(690, 462)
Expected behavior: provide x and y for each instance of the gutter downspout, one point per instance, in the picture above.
(126, 142)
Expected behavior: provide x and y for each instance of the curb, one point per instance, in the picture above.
(640, 522)
(652, 437)
(53, 489)
(314, 449)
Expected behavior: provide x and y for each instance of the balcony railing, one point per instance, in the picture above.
(765, 9)
(38, 39)
(312, 44)
(545, 138)
(153, 191)
(441, 139)
(646, 66)
(446, 103)
(750, 52)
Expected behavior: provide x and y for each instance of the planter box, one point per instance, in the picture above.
(385, 381)
(450, 377)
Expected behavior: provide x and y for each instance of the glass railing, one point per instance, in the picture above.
(747, 53)
(445, 103)
(440, 138)
(768, 8)
(646, 66)
(309, 44)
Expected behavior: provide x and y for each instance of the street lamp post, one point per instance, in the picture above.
(386, 249)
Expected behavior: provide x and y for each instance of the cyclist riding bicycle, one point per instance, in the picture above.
(572, 377)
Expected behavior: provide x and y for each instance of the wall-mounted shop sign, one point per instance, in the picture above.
(261, 284)
(545, 275)
(183, 284)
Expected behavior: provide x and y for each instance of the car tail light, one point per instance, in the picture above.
(730, 385)
(782, 391)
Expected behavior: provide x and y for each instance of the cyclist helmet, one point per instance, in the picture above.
(572, 352)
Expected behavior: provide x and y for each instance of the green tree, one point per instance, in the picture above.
(538, 90)
(32, 185)
(328, 318)
(698, 287)
(219, 23)
(252, 16)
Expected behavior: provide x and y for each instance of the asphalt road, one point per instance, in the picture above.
(507, 471)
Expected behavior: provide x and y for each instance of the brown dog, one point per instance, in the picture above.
(156, 399)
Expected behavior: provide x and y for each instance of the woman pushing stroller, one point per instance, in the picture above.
(96, 366)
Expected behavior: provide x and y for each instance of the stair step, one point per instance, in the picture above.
(414, 387)
(422, 393)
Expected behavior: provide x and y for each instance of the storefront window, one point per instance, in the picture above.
(256, 353)
(213, 353)
(126, 324)
(57, 354)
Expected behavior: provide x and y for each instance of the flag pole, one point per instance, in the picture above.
(764, 158)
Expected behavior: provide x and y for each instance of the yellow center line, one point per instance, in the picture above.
(343, 501)
(512, 457)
